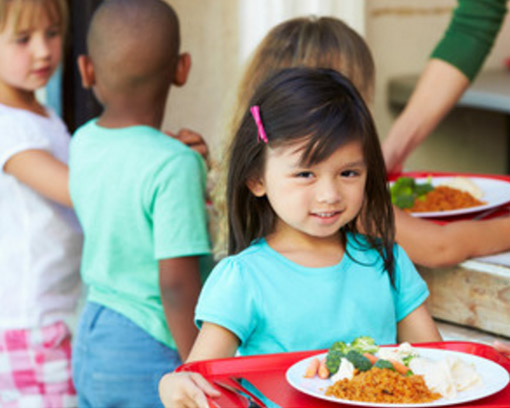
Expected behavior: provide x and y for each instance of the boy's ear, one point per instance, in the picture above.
(87, 73)
(182, 70)
(256, 186)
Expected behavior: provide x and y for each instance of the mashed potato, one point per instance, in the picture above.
(464, 184)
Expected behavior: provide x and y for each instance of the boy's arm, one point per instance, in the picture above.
(180, 284)
(418, 327)
(433, 245)
(41, 171)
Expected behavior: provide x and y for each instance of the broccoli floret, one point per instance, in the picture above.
(358, 360)
(406, 360)
(405, 191)
(364, 344)
(384, 364)
(403, 201)
(333, 360)
(340, 346)
(422, 189)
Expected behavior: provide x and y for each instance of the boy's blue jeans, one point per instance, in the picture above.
(116, 363)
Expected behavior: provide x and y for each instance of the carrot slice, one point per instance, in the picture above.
(312, 368)
(371, 357)
(323, 369)
(399, 367)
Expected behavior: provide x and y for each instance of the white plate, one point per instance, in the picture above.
(495, 193)
(494, 378)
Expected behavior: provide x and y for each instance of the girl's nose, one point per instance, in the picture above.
(328, 191)
(41, 47)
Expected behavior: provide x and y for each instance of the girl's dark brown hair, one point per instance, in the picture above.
(314, 42)
(322, 107)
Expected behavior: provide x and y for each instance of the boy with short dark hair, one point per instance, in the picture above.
(139, 196)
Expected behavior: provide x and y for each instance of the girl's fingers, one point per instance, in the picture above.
(191, 139)
(205, 385)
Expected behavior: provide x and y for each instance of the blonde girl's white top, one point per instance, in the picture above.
(40, 240)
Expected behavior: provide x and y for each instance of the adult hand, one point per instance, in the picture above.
(193, 140)
(185, 390)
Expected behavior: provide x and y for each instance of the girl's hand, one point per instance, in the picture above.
(503, 348)
(185, 390)
(193, 140)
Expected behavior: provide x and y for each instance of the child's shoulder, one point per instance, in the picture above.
(140, 138)
(246, 258)
(360, 248)
(22, 130)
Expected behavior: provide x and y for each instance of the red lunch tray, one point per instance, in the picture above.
(500, 211)
(267, 373)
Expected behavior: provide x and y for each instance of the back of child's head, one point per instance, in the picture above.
(134, 46)
(25, 13)
(324, 42)
(322, 108)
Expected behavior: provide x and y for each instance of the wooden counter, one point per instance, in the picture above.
(475, 294)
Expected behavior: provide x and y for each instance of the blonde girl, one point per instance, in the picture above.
(40, 240)
(303, 165)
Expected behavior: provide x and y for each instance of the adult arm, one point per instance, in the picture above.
(437, 91)
(41, 171)
(433, 245)
(454, 63)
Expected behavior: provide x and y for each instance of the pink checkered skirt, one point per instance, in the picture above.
(35, 368)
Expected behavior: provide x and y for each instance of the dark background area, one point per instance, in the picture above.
(79, 105)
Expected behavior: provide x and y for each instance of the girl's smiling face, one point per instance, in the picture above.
(30, 51)
(313, 201)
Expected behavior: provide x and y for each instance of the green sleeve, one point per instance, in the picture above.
(471, 34)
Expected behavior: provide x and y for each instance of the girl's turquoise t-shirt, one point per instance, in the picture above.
(274, 305)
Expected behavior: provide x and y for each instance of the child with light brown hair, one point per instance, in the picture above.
(327, 42)
(40, 238)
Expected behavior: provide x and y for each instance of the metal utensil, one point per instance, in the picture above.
(248, 387)
(246, 396)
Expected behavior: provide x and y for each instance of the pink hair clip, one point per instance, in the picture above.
(261, 133)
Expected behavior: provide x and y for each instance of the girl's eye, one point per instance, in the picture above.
(349, 173)
(23, 39)
(304, 174)
(54, 32)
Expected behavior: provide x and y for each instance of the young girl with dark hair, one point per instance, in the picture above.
(304, 164)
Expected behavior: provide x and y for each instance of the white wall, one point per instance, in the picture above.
(220, 34)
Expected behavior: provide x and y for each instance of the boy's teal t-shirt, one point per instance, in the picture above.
(140, 197)
(274, 305)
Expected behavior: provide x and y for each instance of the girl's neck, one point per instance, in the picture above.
(20, 99)
(308, 251)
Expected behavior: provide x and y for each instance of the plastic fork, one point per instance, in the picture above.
(248, 398)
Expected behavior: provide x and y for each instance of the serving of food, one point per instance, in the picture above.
(451, 194)
(445, 196)
(361, 373)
